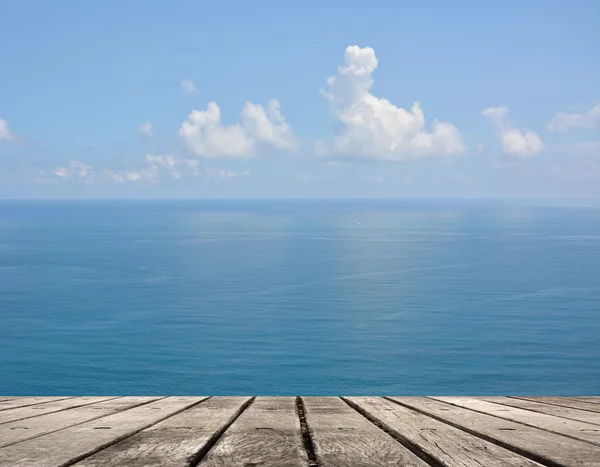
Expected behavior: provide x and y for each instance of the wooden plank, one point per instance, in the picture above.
(562, 426)
(437, 442)
(564, 402)
(14, 432)
(175, 442)
(25, 401)
(556, 410)
(342, 437)
(267, 434)
(592, 399)
(547, 448)
(30, 411)
(76, 442)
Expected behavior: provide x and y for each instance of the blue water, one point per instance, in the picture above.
(313, 297)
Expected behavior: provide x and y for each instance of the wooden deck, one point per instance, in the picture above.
(306, 431)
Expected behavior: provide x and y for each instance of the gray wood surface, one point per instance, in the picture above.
(564, 402)
(267, 434)
(25, 401)
(533, 442)
(342, 437)
(446, 444)
(76, 442)
(268, 431)
(29, 411)
(556, 410)
(593, 399)
(572, 428)
(21, 430)
(174, 442)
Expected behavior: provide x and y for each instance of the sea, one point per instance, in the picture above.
(312, 297)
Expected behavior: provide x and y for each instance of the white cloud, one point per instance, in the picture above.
(165, 161)
(373, 127)
(5, 133)
(268, 125)
(566, 121)
(188, 86)
(149, 173)
(206, 136)
(74, 170)
(145, 129)
(517, 142)
(215, 173)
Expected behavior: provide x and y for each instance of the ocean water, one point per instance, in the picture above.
(298, 297)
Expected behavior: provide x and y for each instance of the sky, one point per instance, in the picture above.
(300, 99)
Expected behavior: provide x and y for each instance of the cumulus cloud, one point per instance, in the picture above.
(566, 121)
(206, 136)
(268, 125)
(5, 133)
(145, 129)
(373, 127)
(516, 142)
(188, 86)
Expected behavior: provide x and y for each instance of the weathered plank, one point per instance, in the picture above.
(548, 448)
(563, 426)
(14, 432)
(174, 442)
(30, 411)
(267, 434)
(593, 399)
(76, 442)
(556, 410)
(342, 437)
(564, 402)
(434, 440)
(25, 401)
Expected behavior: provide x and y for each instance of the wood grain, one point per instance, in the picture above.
(25, 401)
(175, 442)
(549, 448)
(21, 413)
(564, 402)
(548, 409)
(563, 426)
(267, 434)
(76, 442)
(438, 441)
(14, 432)
(593, 399)
(343, 437)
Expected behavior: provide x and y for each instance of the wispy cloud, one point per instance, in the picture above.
(188, 86)
(146, 129)
(215, 173)
(565, 121)
(5, 133)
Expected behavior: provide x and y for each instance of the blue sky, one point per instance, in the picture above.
(232, 99)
